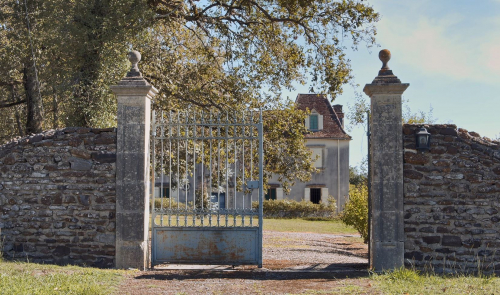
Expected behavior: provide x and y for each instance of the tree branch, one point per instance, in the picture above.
(7, 105)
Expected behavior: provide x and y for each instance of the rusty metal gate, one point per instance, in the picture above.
(207, 188)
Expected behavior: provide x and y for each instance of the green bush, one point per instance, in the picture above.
(355, 213)
(166, 204)
(294, 209)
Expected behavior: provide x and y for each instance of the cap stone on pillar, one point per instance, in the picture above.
(385, 78)
(385, 75)
(134, 79)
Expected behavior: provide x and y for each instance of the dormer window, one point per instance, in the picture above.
(314, 121)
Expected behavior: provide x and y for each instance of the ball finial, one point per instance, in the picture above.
(134, 57)
(384, 55)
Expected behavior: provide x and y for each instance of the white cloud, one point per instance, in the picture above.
(453, 45)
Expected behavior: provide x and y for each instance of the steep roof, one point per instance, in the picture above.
(332, 126)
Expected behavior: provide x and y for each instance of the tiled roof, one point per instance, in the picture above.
(332, 126)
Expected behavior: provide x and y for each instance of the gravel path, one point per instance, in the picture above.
(311, 249)
(295, 263)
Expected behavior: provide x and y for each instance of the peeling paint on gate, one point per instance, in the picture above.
(233, 246)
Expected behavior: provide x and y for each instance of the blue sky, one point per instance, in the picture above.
(449, 52)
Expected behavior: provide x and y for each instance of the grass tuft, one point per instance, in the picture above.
(411, 281)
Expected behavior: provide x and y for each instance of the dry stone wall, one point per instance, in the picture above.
(452, 201)
(57, 197)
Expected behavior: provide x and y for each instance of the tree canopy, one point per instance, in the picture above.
(58, 59)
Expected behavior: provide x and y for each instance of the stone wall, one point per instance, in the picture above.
(57, 197)
(452, 200)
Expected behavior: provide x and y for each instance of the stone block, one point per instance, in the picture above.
(432, 239)
(387, 226)
(79, 164)
(451, 241)
(412, 174)
(104, 158)
(130, 195)
(130, 226)
(414, 255)
(106, 239)
(387, 196)
(130, 167)
(387, 256)
(416, 159)
(131, 255)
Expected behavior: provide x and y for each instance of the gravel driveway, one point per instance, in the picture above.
(293, 263)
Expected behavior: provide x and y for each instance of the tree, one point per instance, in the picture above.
(225, 54)
(20, 61)
(357, 177)
(357, 113)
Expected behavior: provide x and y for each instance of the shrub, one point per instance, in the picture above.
(294, 209)
(166, 204)
(355, 213)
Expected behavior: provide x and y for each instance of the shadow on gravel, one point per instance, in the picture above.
(330, 272)
(334, 251)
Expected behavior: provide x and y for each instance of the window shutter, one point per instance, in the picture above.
(307, 122)
(324, 195)
(279, 193)
(307, 194)
(320, 122)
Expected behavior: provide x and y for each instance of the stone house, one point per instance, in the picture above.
(330, 143)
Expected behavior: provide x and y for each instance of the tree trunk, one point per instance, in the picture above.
(16, 114)
(55, 120)
(34, 115)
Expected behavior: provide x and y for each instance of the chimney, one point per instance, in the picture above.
(338, 110)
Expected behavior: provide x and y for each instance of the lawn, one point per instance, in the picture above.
(303, 225)
(30, 278)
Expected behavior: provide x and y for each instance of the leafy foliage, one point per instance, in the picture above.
(294, 209)
(228, 55)
(357, 177)
(357, 113)
(355, 213)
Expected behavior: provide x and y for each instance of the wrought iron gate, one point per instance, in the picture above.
(207, 188)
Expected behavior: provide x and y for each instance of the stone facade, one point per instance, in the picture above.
(57, 197)
(452, 200)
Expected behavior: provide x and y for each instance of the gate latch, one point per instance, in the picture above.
(252, 184)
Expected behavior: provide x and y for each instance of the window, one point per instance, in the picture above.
(317, 152)
(159, 192)
(315, 195)
(313, 122)
(271, 194)
(218, 199)
(166, 192)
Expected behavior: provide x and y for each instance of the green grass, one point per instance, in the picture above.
(407, 281)
(303, 225)
(31, 278)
